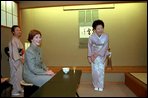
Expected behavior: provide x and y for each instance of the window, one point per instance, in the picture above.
(9, 13)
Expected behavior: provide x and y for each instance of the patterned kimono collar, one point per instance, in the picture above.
(36, 48)
(98, 35)
(16, 37)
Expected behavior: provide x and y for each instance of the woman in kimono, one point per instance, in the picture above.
(16, 56)
(97, 53)
(34, 70)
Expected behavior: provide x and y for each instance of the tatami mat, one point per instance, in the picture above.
(141, 76)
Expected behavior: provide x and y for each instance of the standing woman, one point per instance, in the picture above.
(16, 59)
(97, 52)
(34, 70)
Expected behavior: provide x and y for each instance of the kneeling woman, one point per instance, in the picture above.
(34, 71)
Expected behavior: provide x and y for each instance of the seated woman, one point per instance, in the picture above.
(34, 71)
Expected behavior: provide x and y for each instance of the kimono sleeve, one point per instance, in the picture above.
(14, 50)
(89, 46)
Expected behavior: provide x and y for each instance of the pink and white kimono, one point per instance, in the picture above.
(98, 46)
(15, 45)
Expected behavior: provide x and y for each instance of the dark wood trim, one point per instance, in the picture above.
(5, 27)
(75, 3)
(114, 69)
(137, 86)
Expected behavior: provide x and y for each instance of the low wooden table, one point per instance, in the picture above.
(61, 85)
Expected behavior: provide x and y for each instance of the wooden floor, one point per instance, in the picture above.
(114, 69)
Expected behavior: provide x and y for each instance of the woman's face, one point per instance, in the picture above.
(37, 40)
(99, 29)
(17, 32)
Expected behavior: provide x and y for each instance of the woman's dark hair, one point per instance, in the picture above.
(32, 33)
(96, 23)
(13, 28)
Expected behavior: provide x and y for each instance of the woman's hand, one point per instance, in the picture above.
(94, 56)
(89, 59)
(50, 72)
(22, 60)
(4, 79)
